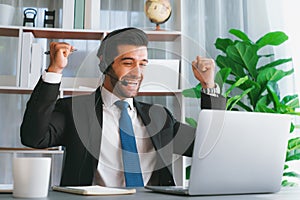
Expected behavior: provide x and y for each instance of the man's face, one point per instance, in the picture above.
(128, 70)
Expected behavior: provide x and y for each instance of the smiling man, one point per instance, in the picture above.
(109, 137)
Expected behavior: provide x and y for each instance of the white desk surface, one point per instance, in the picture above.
(284, 194)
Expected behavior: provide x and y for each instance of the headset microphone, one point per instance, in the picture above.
(123, 82)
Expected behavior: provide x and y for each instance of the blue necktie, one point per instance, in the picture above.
(131, 161)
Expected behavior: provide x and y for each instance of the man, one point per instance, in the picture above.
(88, 126)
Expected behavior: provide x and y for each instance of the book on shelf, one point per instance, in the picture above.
(68, 14)
(92, 14)
(79, 14)
(37, 55)
(27, 39)
(94, 190)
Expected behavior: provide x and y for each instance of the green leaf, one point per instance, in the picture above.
(222, 44)
(294, 113)
(274, 64)
(187, 172)
(291, 100)
(261, 107)
(286, 183)
(191, 122)
(271, 74)
(221, 76)
(193, 92)
(272, 38)
(233, 101)
(244, 55)
(239, 82)
(226, 62)
(291, 174)
(240, 34)
(254, 94)
(293, 155)
(294, 143)
(286, 166)
(266, 56)
(292, 128)
(272, 88)
(244, 106)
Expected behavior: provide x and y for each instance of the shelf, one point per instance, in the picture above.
(81, 34)
(57, 33)
(11, 31)
(159, 93)
(15, 90)
(82, 91)
(163, 35)
(77, 91)
(30, 150)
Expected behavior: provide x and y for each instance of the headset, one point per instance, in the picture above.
(102, 51)
(104, 59)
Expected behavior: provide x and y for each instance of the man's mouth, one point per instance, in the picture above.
(130, 81)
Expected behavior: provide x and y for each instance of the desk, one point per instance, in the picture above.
(284, 194)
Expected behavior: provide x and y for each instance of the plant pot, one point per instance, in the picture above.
(6, 14)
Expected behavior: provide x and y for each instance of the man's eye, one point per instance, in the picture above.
(127, 63)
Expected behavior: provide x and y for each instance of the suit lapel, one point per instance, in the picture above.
(152, 116)
(143, 112)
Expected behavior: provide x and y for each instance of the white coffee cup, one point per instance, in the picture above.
(31, 177)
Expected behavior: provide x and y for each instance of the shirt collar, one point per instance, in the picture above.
(109, 98)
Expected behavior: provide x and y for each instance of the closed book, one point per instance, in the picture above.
(68, 14)
(94, 190)
(37, 55)
(79, 14)
(27, 39)
(92, 14)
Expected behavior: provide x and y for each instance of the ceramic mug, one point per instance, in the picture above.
(31, 177)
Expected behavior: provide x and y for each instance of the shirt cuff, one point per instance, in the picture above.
(51, 77)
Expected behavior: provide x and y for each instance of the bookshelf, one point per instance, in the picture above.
(166, 44)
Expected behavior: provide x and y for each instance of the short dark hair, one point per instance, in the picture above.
(126, 36)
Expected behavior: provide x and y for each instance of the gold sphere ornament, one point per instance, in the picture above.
(158, 11)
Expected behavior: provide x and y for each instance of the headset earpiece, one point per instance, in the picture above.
(102, 66)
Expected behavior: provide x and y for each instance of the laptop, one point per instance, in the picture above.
(236, 152)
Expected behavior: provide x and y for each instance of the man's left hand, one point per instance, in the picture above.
(204, 71)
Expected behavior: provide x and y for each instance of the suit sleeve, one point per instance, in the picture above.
(211, 102)
(43, 123)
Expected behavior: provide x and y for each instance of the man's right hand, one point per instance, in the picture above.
(59, 52)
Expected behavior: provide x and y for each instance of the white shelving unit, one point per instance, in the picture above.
(10, 84)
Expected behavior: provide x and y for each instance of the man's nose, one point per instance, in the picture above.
(138, 69)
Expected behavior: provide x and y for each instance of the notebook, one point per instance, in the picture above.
(94, 190)
(236, 153)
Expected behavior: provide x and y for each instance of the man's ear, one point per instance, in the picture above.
(102, 65)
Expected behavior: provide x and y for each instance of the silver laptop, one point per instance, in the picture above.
(236, 153)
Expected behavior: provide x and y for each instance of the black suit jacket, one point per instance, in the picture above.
(75, 123)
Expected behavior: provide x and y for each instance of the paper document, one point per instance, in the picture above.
(93, 190)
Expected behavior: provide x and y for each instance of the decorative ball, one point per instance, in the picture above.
(158, 11)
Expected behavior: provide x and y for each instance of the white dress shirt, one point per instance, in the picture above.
(110, 166)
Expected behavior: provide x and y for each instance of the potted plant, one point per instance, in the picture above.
(252, 86)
